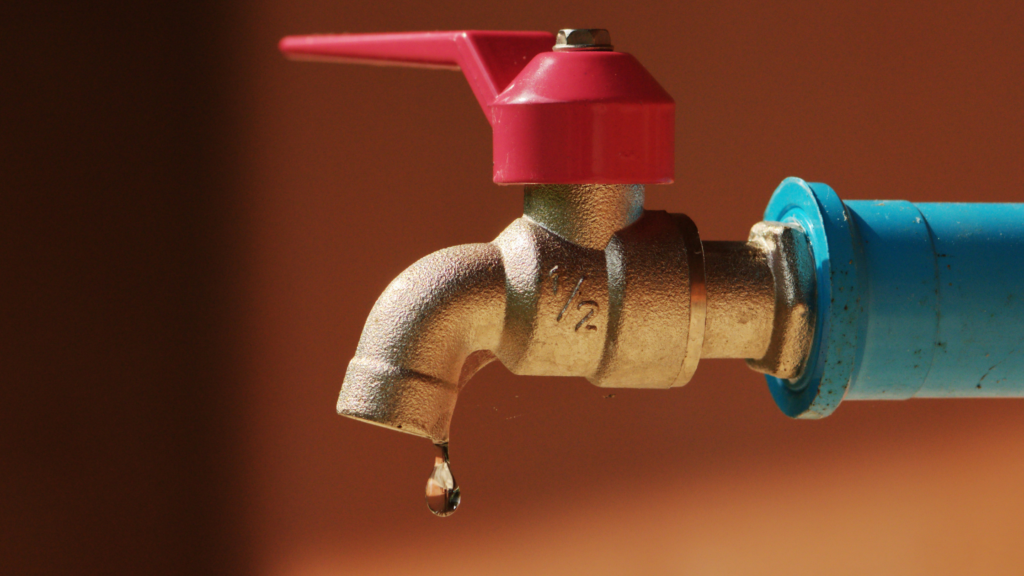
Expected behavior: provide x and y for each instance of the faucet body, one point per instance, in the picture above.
(586, 284)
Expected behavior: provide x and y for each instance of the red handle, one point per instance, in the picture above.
(490, 60)
(559, 117)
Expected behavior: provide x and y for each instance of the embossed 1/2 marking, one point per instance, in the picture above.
(593, 308)
(572, 296)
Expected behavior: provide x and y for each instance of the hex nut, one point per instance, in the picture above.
(592, 39)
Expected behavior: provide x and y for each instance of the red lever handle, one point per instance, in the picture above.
(559, 117)
(490, 60)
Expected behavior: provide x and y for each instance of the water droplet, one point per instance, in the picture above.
(443, 495)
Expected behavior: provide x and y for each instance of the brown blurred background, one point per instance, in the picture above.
(194, 229)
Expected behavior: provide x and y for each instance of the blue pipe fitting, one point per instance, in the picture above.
(912, 300)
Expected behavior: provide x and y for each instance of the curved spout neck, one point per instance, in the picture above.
(429, 332)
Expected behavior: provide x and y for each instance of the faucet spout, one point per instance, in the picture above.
(429, 332)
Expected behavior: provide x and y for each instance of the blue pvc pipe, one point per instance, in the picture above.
(912, 300)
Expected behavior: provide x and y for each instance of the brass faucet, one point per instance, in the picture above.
(587, 283)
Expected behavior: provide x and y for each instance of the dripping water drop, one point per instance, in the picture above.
(443, 495)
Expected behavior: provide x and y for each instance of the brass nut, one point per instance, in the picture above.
(788, 253)
(592, 39)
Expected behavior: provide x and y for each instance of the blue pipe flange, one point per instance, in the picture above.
(839, 303)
